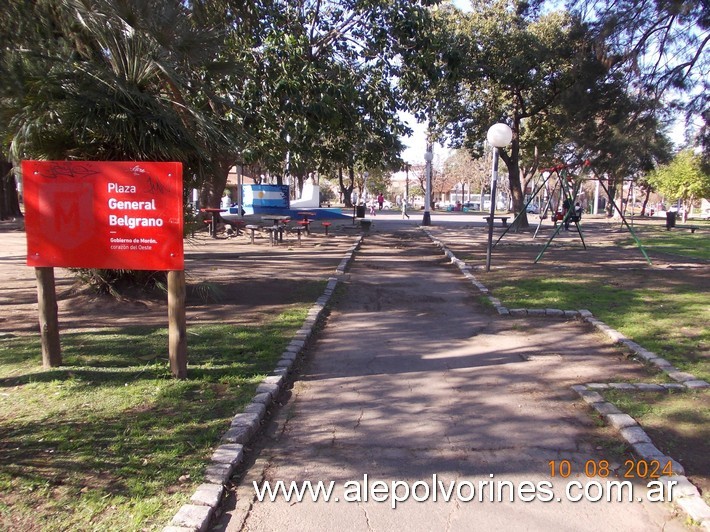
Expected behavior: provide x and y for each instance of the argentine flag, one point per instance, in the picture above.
(275, 196)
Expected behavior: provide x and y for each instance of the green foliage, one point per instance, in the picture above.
(659, 48)
(682, 179)
(111, 81)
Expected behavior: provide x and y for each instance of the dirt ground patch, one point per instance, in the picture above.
(228, 280)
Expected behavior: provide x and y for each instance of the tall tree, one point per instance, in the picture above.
(661, 46)
(682, 179)
(472, 174)
(519, 64)
(114, 81)
(615, 134)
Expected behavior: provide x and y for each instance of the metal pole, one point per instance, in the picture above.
(428, 156)
(240, 186)
(406, 182)
(494, 184)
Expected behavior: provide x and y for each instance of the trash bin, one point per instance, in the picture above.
(360, 211)
(670, 219)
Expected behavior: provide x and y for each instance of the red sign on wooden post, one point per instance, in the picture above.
(104, 214)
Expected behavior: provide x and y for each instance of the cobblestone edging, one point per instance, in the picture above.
(196, 515)
(687, 495)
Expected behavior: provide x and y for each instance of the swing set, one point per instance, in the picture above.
(559, 201)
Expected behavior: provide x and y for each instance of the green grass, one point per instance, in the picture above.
(680, 242)
(678, 423)
(102, 442)
(671, 323)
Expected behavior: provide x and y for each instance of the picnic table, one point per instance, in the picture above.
(214, 212)
(503, 220)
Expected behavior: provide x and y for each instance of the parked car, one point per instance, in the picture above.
(532, 209)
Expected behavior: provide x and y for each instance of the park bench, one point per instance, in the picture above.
(691, 228)
(503, 220)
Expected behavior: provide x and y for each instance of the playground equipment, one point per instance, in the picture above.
(565, 190)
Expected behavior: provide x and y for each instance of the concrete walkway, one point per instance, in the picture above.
(412, 378)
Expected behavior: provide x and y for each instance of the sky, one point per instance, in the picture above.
(416, 144)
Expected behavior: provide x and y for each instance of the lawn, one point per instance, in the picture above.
(110, 441)
(664, 307)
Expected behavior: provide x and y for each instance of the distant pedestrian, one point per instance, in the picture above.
(404, 208)
(372, 208)
(565, 209)
(380, 200)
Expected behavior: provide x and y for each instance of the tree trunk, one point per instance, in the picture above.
(347, 191)
(611, 187)
(9, 199)
(647, 191)
(512, 161)
(211, 191)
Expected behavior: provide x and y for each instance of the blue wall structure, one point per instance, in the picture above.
(274, 199)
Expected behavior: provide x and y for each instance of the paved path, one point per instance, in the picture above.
(411, 377)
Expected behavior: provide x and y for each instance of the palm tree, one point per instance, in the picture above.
(114, 80)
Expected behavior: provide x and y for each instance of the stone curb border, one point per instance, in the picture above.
(196, 516)
(687, 380)
(688, 496)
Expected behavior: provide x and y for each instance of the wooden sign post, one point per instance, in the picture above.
(105, 215)
(48, 320)
(177, 330)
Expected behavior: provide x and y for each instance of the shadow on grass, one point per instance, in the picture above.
(129, 353)
(112, 427)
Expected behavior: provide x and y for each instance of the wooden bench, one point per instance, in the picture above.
(691, 228)
(503, 219)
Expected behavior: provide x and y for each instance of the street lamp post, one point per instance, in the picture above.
(428, 156)
(406, 181)
(499, 136)
(364, 187)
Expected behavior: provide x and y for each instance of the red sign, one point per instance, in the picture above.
(107, 215)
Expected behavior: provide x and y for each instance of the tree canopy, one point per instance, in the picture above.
(316, 86)
(682, 179)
